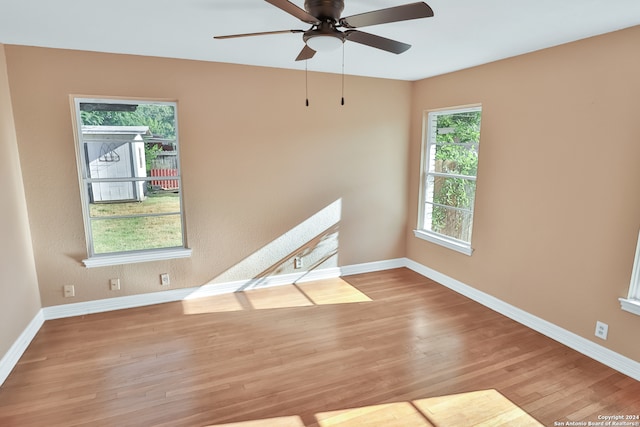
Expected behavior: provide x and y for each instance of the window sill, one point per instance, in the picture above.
(134, 257)
(447, 243)
(630, 305)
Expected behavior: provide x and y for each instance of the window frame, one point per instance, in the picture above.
(632, 302)
(133, 256)
(428, 145)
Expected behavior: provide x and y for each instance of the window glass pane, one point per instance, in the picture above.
(116, 192)
(151, 202)
(456, 138)
(455, 192)
(136, 233)
(115, 158)
(460, 159)
(448, 221)
(460, 127)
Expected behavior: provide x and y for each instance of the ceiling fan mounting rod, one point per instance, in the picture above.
(325, 9)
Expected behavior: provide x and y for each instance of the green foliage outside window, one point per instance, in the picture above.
(159, 118)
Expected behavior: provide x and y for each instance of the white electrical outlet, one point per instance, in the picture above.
(114, 284)
(297, 262)
(601, 330)
(69, 291)
(164, 279)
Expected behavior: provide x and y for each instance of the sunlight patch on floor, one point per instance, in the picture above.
(332, 291)
(478, 408)
(270, 422)
(321, 292)
(486, 408)
(277, 297)
(213, 304)
(400, 414)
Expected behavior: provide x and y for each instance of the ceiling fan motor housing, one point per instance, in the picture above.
(325, 9)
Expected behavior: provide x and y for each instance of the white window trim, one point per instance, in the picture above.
(632, 302)
(135, 257)
(420, 232)
(456, 245)
(119, 258)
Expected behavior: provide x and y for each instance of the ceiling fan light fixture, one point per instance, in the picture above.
(324, 43)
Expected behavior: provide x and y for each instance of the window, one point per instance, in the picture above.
(130, 181)
(632, 302)
(449, 169)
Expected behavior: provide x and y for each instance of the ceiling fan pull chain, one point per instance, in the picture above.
(342, 100)
(306, 81)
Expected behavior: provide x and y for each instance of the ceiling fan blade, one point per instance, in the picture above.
(294, 10)
(378, 42)
(264, 33)
(392, 14)
(305, 53)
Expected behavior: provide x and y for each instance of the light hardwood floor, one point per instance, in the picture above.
(390, 348)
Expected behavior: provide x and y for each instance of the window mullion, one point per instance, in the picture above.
(450, 207)
(147, 215)
(133, 179)
(452, 175)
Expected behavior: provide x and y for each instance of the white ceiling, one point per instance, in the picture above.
(462, 34)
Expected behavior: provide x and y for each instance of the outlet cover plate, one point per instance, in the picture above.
(69, 291)
(602, 329)
(164, 279)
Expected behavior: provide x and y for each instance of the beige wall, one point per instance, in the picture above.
(19, 298)
(256, 164)
(557, 206)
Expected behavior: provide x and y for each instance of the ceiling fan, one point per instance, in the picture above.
(325, 34)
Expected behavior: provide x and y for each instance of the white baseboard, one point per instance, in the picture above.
(11, 357)
(211, 289)
(132, 301)
(369, 267)
(589, 348)
(608, 357)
